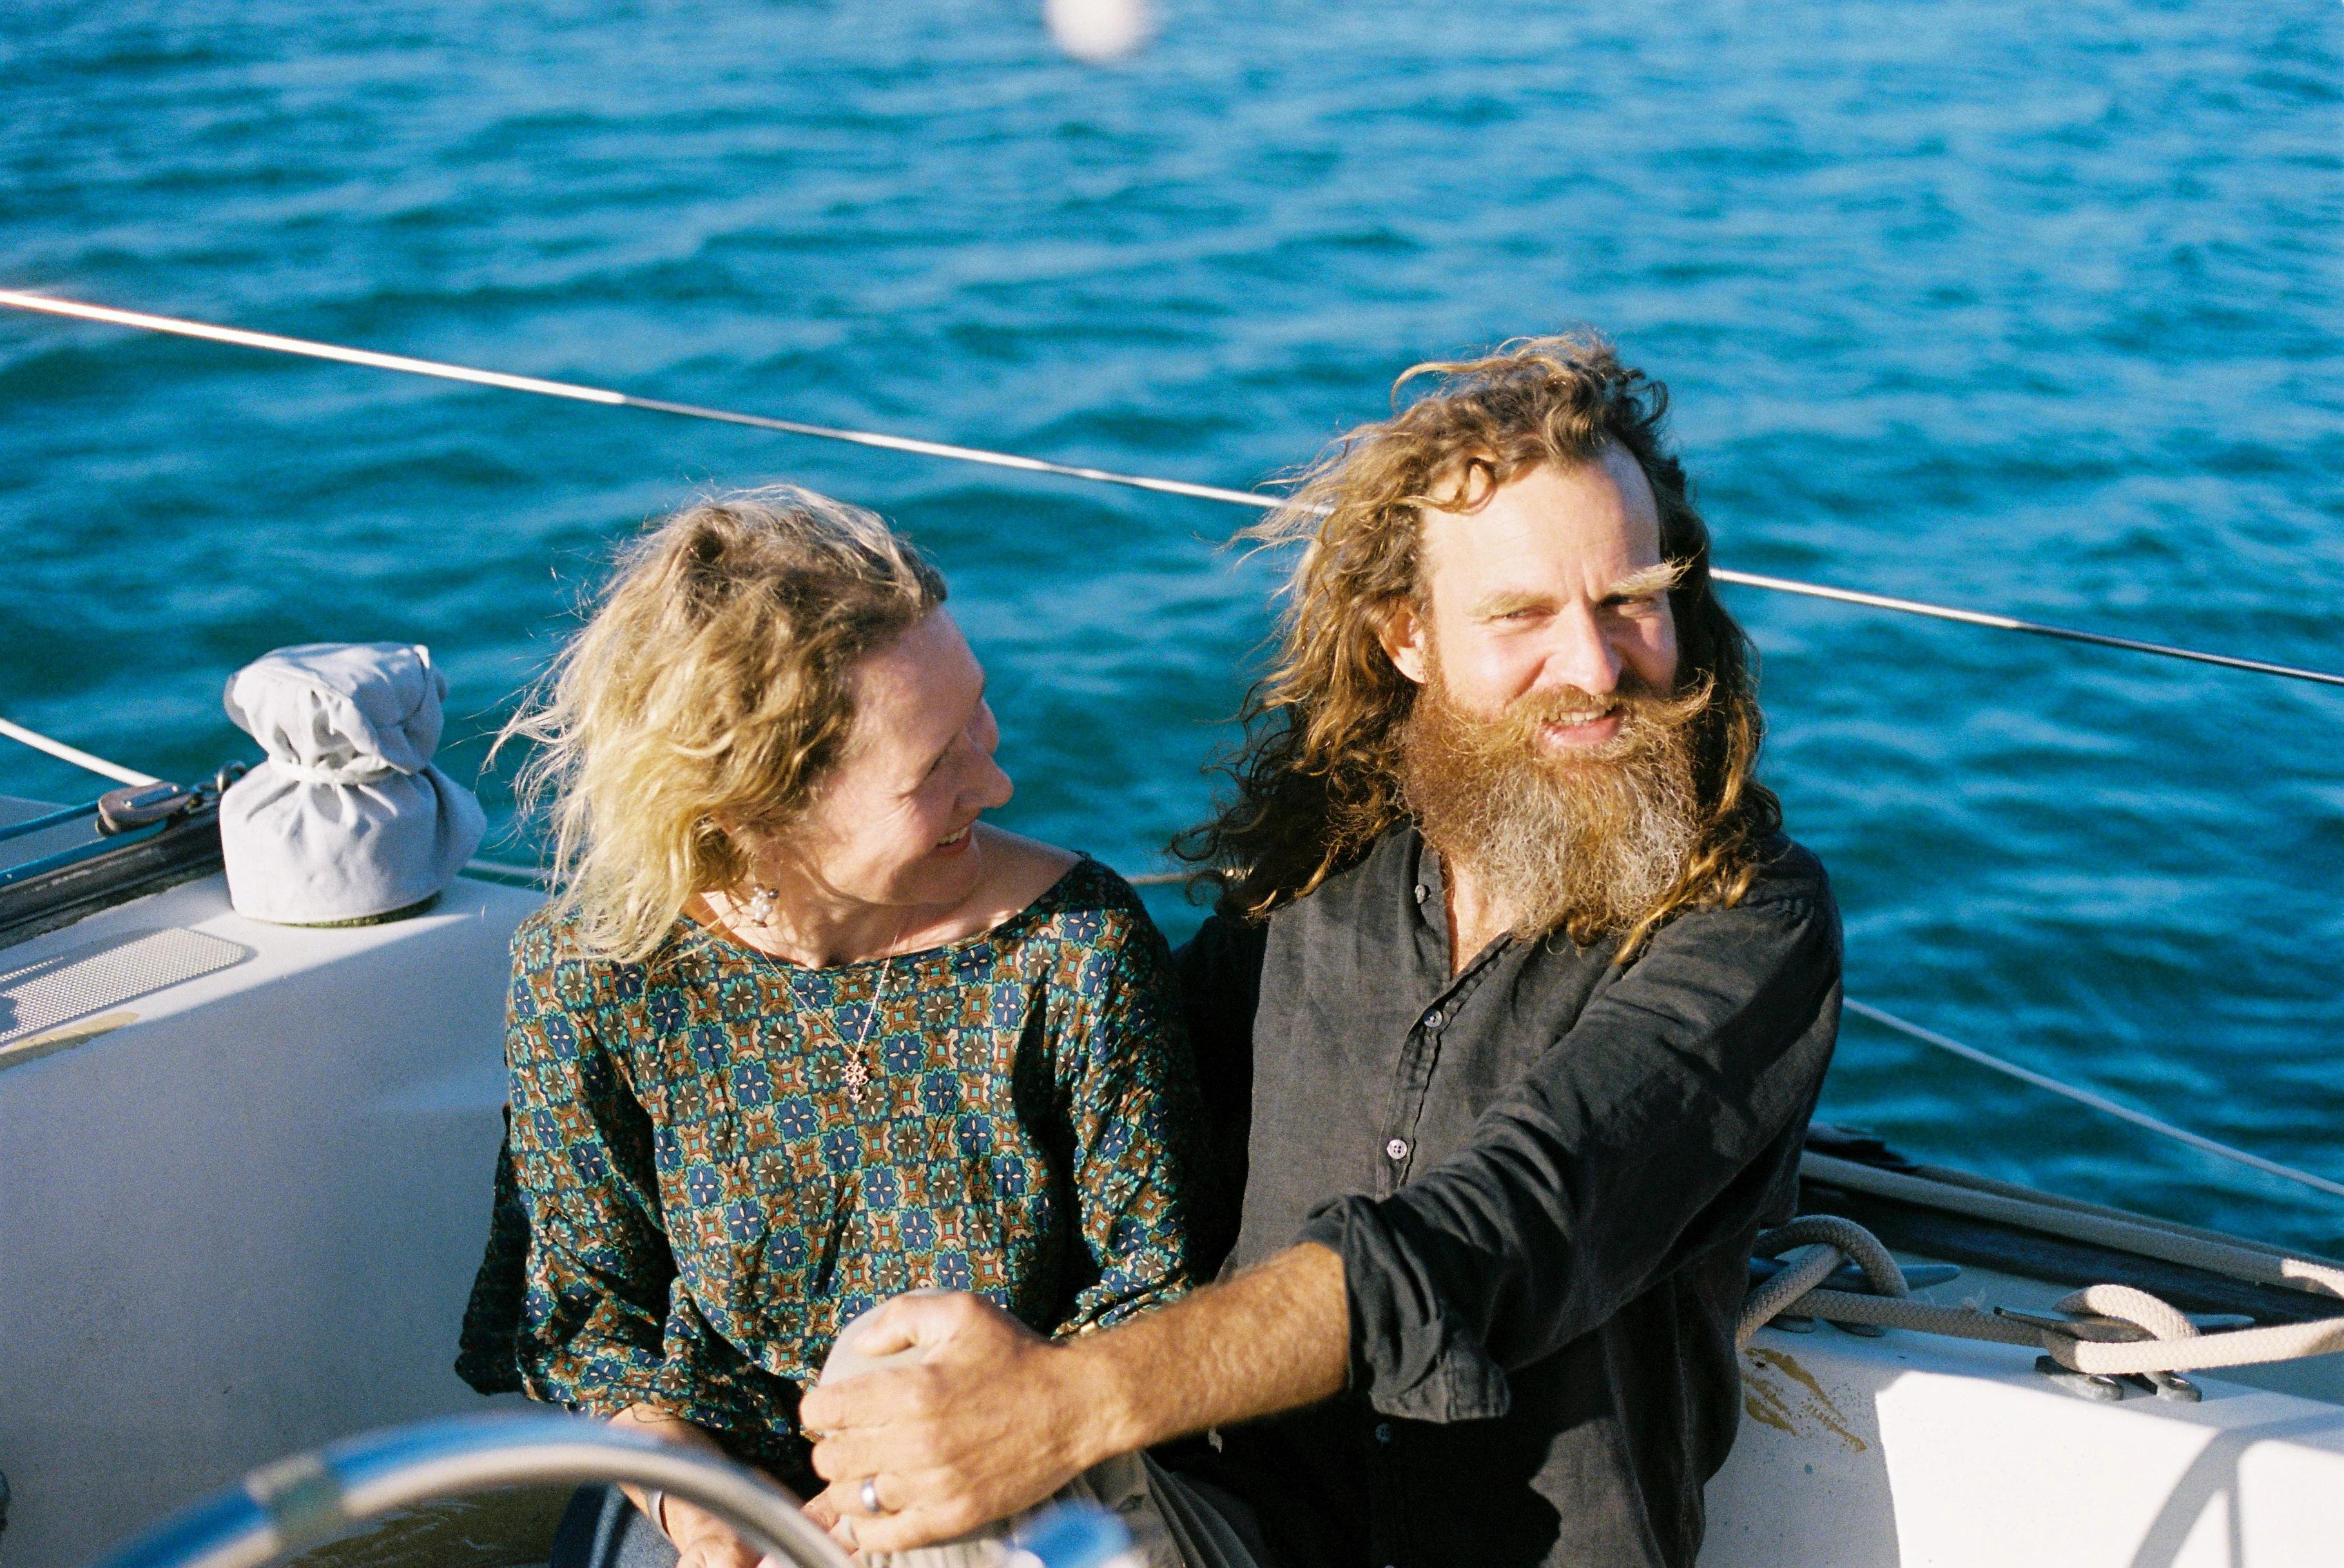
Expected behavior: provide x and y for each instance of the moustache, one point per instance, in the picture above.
(1644, 713)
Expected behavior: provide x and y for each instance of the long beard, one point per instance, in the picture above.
(1589, 840)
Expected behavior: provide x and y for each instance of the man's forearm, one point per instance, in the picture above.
(989, 1418)
(1275, 1338)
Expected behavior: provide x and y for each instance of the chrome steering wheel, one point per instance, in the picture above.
(298, 1503)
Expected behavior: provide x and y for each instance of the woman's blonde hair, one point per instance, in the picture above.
(713, 682)
(1317, 776)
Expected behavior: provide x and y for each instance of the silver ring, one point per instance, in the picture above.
(870, 1496)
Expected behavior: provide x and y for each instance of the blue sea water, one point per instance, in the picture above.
(2013, 304)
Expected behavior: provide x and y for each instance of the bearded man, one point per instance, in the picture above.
(1514, 1012)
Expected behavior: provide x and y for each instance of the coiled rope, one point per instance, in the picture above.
(1833, 1241)
(2114, 1330)
(406, 365)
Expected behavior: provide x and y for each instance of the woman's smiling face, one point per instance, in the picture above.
(896, 821)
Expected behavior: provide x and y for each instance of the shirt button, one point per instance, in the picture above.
(1422, 893)
(1434, 1020)
(1397, 1148)
(1383, 1431)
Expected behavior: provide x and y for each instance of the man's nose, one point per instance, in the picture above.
(1580, 654)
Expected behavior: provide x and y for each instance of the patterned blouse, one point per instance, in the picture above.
(694, 1198)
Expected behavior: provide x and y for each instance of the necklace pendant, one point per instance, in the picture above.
(857, 1076)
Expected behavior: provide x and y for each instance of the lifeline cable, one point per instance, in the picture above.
(536, 876)
(603, 395)
(2084, 1097)
(74, 754)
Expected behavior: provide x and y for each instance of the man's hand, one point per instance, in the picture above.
(986, 1418)
(989, 1419)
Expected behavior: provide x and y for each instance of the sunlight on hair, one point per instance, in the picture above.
(713, 679)
(1097, 32)
(1318, 776)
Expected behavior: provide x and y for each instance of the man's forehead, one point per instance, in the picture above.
(1599, 516)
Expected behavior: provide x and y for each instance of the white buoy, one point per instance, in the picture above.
(1097, 32)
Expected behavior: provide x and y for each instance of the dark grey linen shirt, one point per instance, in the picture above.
(1543, 1176)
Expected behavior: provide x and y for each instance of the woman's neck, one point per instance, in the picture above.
(817, 927)
(816, 933)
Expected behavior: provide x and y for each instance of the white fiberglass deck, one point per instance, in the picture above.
(1928, 1452)
(240, 1214)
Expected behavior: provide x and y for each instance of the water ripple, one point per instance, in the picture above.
(2031, 307)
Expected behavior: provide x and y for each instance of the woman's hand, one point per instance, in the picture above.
(702, 1540)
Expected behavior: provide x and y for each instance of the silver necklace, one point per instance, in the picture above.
(857, 1077)
(858, 1065)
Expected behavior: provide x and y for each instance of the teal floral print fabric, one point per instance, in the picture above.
(691, 1205)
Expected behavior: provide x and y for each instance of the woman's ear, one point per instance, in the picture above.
(745, 841)
(1403, 631)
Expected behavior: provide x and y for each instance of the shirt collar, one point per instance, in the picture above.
(1428, 889)
(1425, 887)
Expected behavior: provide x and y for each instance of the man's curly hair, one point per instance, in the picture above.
(1317, 776)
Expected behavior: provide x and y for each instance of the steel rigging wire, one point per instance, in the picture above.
(607, 398)
(304, 348)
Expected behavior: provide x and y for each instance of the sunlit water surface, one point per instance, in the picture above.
(2031, 305)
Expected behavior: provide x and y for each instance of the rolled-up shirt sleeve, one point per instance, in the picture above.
(1660, 1127)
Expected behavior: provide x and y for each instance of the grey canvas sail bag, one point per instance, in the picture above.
(347, 819)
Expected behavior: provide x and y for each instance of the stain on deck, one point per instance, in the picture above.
(1779, 1393)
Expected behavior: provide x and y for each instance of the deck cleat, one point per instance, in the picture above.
(2090, 1385)
(135, 806)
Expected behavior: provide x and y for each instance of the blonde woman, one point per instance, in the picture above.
(800, 1032)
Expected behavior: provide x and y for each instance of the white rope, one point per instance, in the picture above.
(1813, 1266)
(2133, 1306)
(76, 755)
(1851, 1241)
(2129, 1331)
(2074, 1351)
(2098, 1102)
(303, 347)
(1963, 1322)
(1829, 1241)
(309, 348)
